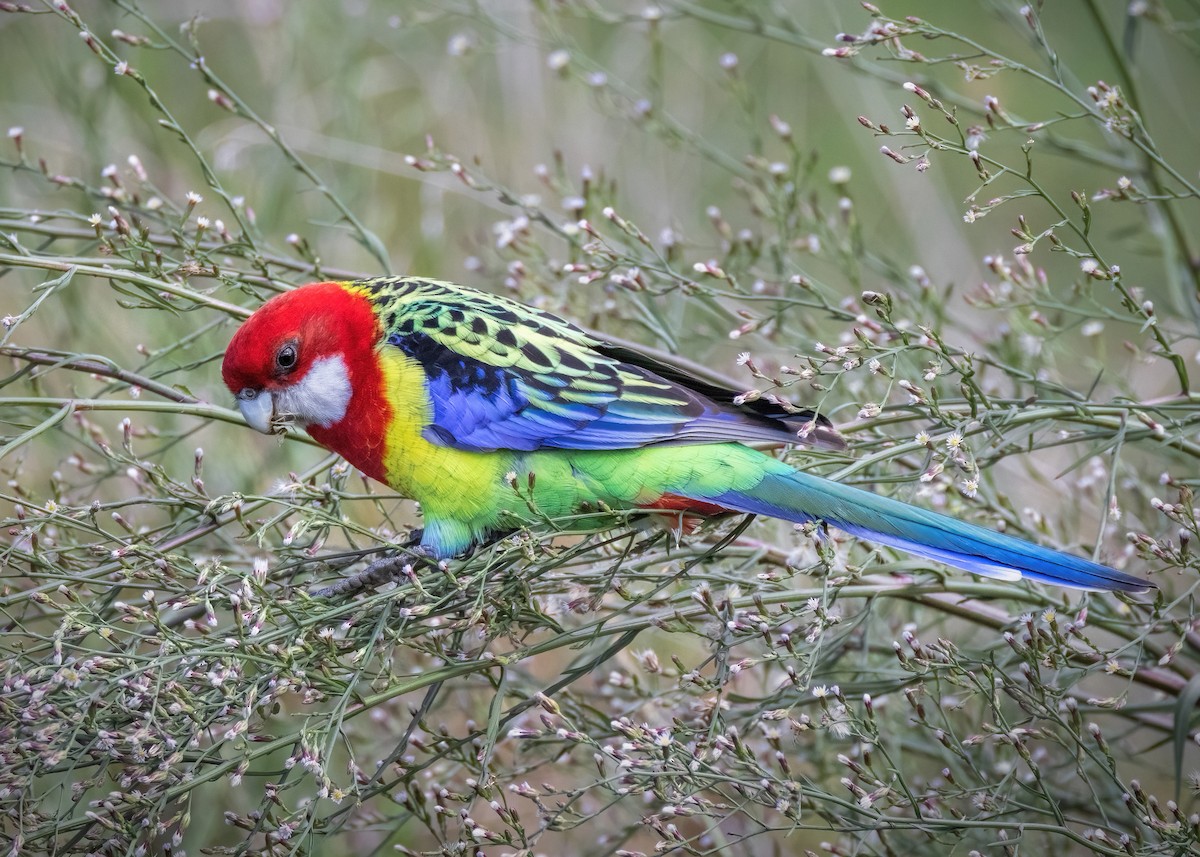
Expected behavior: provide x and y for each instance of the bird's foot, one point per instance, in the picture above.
(399, 565)
(383, 570)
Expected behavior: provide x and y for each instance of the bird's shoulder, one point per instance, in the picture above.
(431, 319)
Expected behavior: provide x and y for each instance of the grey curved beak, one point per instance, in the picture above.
(258, 411)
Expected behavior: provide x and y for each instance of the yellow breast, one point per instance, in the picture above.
(444, 481)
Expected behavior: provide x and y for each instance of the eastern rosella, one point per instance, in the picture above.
(484, 410)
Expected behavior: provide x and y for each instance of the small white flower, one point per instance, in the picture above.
(460, 45)
(955, 440)
(839, 175)
(933, 472)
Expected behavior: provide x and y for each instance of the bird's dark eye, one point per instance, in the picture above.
(286, 357)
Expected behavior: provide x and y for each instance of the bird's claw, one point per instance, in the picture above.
(383, 570)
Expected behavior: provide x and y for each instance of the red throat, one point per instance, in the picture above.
(360, 435)
(326, 320)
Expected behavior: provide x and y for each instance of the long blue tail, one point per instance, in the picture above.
(800, 497)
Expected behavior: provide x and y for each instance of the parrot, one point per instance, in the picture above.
(494, 415)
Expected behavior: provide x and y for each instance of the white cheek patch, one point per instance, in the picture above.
(321, 397)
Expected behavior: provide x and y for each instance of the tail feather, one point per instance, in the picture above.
(800, 497)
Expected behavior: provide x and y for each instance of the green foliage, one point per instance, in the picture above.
(999, 308)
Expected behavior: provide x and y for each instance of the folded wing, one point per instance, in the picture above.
(504, 376)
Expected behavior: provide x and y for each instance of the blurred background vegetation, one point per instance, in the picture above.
(999, 308)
